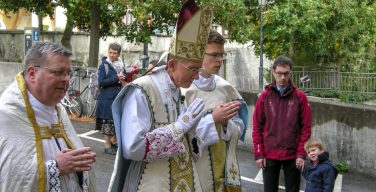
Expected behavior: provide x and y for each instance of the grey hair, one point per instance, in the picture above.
(38, 54)
(115, 46)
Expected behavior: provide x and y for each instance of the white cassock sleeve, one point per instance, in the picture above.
(141, 142)
(206, 131)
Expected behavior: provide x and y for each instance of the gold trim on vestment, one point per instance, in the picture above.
(218, 159)
(57, 131)
(64, 134)
(181, 170)
(229, 188)
(42, 180)
(181, 166)
(232, 172)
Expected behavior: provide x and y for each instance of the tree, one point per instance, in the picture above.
(95, 16)
(40, 7)
(153, 17)
(150, 17)
(321, 33)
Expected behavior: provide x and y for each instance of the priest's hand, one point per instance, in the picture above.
(225, 111)
(191, 116)
(74, 160)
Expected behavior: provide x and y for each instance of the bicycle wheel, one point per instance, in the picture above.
(74, 106)
(89, 102)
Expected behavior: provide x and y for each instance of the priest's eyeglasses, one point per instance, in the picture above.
(57, 72)
(285, 74)
(193, 70)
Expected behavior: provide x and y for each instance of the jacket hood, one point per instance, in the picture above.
(323, 156)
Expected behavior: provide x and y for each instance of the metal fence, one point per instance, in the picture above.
(342, 81)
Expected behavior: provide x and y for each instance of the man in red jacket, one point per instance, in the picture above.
(281, 125)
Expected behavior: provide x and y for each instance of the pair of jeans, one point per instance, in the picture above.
(271, 175)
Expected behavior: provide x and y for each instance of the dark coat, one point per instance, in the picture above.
(320, 178)
(110, 87)
(281, 123)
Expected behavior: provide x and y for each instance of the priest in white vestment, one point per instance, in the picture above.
(39, 149)
(151, 122)
(217, 162)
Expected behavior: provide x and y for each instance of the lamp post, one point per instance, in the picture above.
(261, 67)
(145, 57)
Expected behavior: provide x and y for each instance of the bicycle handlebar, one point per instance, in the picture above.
(88, 74)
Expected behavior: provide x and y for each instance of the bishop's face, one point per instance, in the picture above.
(183, 72)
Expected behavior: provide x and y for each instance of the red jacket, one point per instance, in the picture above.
(281, 123)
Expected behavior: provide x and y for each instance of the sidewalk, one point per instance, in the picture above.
(346, 182)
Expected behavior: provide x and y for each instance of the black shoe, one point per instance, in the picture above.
(114, 146)
(110, 151)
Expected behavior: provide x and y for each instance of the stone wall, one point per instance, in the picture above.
(348, 131)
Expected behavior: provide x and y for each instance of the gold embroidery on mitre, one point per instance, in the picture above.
(182, 171)
(190, 42)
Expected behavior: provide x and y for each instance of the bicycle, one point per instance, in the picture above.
(302, 81)
(72, 101)
(88, 94)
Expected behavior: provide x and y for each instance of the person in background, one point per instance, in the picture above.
(226, 104)
(110, 80)
(151, 121)
(39, 148)
(281, 125)
(320, 174)
(153, 64)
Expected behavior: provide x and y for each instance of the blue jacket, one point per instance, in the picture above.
(110, 87)
(320, 178)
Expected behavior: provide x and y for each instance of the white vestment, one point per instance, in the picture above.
(217, 165)
(153, 155)
(31, 134)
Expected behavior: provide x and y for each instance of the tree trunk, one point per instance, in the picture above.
(291, 50)
(94, 35)
(40, 22)
(65, 40)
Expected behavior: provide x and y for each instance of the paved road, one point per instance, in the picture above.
(251, 175)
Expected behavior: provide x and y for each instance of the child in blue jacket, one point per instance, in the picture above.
(320, 173)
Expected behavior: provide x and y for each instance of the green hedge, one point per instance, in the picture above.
(347, 97)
